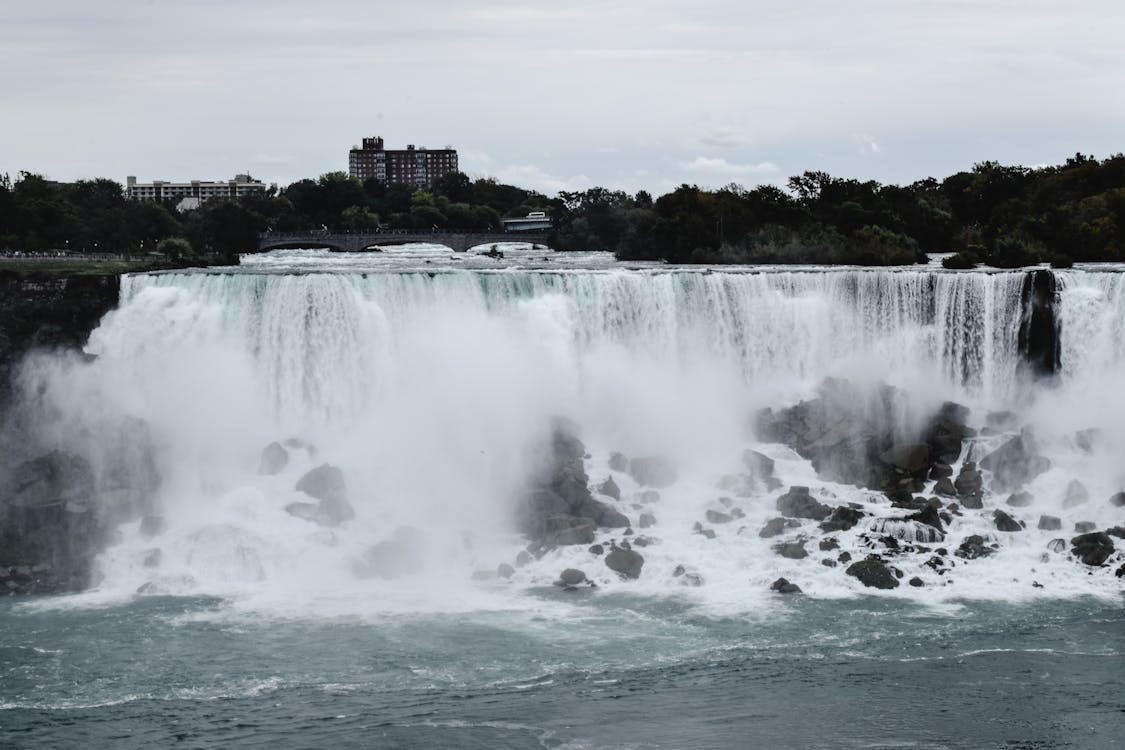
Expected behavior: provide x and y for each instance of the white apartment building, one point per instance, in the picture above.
(197, 190)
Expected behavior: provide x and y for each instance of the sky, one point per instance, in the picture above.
(624, 94)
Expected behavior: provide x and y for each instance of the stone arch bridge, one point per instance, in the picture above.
(353, 242)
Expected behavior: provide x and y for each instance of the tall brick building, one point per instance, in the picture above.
(418, 167)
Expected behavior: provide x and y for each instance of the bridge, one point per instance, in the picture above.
(354, 242)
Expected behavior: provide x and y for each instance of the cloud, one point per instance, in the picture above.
(531, 176)
(867, 144)
(722, 168)
(725, 138)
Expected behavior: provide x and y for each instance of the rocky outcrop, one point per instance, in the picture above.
(625, 562)
(1092, 549)
(783, 586)
(1039, 328)
(798, 503)
(873, 573)
(326, 484)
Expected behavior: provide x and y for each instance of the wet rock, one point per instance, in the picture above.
(791, 550)
(1084, 527)
(596, 549)
(618, 462)
(907, 459)
(906, 530)
(1088, 439)
(844, 557)
(944, 486)
(523, 558)
(916, 582)
(1004, 522)
(783, 586)
(274, 459)
(1050, 523)
(1020, 499)
(1093, 548)
(777, 526)
(152, 526)
(646, 520)
(1057, 545)
(644, 541)
(758, 464)
(873, 573)
(1076, 494)
(969, 482)
(714, 516)
(648, 497)
(571, 577)
(798, 503)
(304, 511)
(401, 555)
(653, 471)
(828, 562)
(941, 471)
(625, 562)
(1117, 531)
(610, 489)
(567, 530)
(972, 501)
(829, 544)
(504, 570)
(929, 516)
(1015, 463)
(1117, 500)
(326, 484)
(973, 547)
(1002, 421)
(842, 519)
(707, 533)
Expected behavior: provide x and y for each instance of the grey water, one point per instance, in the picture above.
(619, 672)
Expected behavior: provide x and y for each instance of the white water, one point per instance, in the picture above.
(429, 386)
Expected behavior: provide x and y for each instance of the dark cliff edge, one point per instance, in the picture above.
(49, 529)
(1039, 335)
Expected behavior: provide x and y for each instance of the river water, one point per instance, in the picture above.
(427, 381)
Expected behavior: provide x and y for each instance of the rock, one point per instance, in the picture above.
(610, 488)
(523, 558)
(1057, 545)
(1015, 463)
(777, 526)
(944, 486)
(401, 555)
(791, 550)
(844, 557)
(644, 541)
(916, 582)
(483, 575)
(567, 530)
(760, 465)
(941, 471)
(152, 526)
(782, 586)
(504, 570)
(1004, 522)
(646, 520)
(707, 533)
(653, 471)
(274, 459)
(627, 563)
(1049, 523)
(1093, 548)
(873, 573)
(603, 515)
(618, 462)
(571, 577)
(1076, 494)
(798, 503)
(1002, 421)
(596, 549)
(152, 558)
(842, 519)
(1117, 531)
(973, 547)
(304, 511)
(829, 562)
(969, 482)
(929, 516)
(1117, 500)
(829, 544)
(326, 484)
(1020, 499)
(1085, 527)
(907, 459)
(1088, 439)
(714, 516)
(907, 530)
(648, 497)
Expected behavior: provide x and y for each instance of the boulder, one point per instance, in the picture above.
(714, 516)
(304, 511)
(625, 562)
(274, 459)
(1004, 522)
(842, 519)
(1020, 499)
(326, 484)
(610, 489)
(929, 516)
(791, 550)
(916, 582)
(646, 520)
(1002, 421)
(1088, 439)
(401, 555)
(1093, 548)
(907, 459)
(567, 530)
(777, 526)
(973, 547)
(829, 544)
(1084, 527)
(504, 570)
(798, 503)
(1117, 500)
(618, 462)
(1015, 463)
(941, 471)
(944, 486)
(758, 464)
(1076, 494)
(596, 550)
(782, 586)
(969, 481)
(571, 577)
(653, 471)
(1050, 523)
(1057, 545)
(873, 573)
(152, 526)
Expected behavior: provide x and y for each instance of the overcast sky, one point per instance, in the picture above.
(627, 94)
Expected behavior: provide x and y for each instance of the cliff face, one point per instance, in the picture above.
(50, 311)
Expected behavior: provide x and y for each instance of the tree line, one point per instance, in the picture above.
(1004, 216)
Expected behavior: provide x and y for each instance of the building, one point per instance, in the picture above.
(191, 194)
(418, 167)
